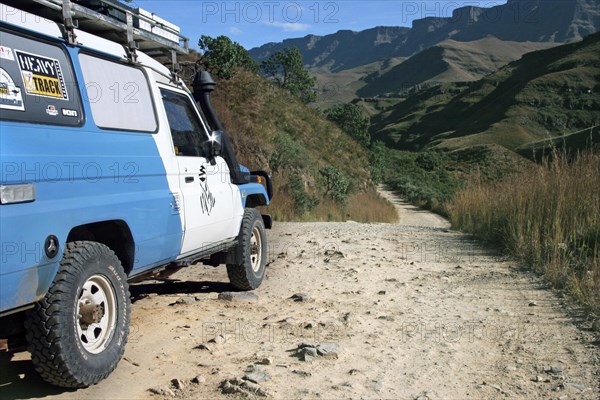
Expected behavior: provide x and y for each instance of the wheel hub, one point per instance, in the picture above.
(255, 249)
(91, 313)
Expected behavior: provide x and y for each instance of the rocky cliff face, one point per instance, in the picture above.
(558, 21)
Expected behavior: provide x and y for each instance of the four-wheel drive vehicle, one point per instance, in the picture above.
(111, 172)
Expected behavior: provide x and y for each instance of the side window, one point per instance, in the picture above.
(119, 95)
(37, 83)
(188, 133)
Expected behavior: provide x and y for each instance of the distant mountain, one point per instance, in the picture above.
(548, 93)
(555, 21)
(342, 50)
(448, 61)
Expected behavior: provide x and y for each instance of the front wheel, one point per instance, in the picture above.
(77, 332)
(248, 274)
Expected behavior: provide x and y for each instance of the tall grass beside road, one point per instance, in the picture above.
(548, 217)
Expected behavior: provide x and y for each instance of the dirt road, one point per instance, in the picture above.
(405, 311)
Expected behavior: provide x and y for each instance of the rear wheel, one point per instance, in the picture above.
(248, 274)
(77, 332)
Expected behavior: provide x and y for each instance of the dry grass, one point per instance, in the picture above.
(548, 217)
(364, 207)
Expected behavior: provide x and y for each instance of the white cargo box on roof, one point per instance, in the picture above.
(166, 23)
(145, 25)
(157, 25)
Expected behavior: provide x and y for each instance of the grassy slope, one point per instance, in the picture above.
(258, 115)
(450, 61)
(551, 92)
(341, 87)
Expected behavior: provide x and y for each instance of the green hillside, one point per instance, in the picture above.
(342, 87)
(547, 93)
(449, 61)
(275, 131)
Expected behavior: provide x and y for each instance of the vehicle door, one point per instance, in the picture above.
(204, 180)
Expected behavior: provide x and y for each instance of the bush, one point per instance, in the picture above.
(430, 161)
(378, 160)
(351, 119)
(288, 154)
(336, 184)
(422, 179)
(303, 201)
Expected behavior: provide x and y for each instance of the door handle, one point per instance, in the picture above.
(189, 179)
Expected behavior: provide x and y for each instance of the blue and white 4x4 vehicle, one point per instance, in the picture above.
(111, 171)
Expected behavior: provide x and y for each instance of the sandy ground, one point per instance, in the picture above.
(418, 312)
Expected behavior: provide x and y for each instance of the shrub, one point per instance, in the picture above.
(289, 154)
(336, 184)
(303, 201)
(351, 119)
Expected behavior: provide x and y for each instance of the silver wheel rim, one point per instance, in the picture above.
(255, 249)
(96, 314)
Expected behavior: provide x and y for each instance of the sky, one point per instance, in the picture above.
(254, 23)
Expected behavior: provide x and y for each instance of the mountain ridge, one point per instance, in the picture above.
(518, 20)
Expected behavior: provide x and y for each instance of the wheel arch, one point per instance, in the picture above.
(256, 200)
(115, 234)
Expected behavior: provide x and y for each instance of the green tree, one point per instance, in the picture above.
(222, 56)
(286, 68)
(351, 119)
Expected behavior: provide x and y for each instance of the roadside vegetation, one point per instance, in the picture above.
(549, 217)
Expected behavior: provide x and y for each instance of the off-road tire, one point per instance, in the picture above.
(251, 253)
(58, 350)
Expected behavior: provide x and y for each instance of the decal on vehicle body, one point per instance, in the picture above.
(67, 112)
(207, 200)
(52, 111)
(42, 76)
(6, 53)
(10, 94)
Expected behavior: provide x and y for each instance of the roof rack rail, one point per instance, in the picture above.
(135, 28)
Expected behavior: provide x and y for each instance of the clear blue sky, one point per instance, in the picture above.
(253, 23)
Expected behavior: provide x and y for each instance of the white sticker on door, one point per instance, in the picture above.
(7, 53)
(11, 97)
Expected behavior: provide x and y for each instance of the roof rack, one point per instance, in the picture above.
(133, 27)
